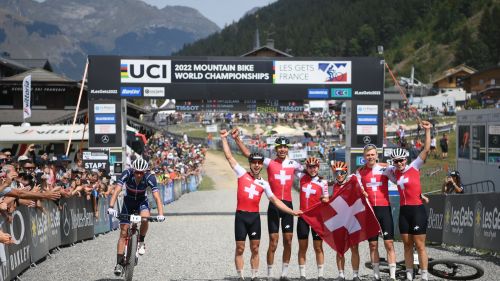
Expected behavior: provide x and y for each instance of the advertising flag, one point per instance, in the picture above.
(27, 97)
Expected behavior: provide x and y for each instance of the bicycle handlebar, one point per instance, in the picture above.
(132, 218)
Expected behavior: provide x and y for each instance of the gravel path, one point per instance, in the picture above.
(197, 243)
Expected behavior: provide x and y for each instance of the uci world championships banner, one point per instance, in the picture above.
(219, 78)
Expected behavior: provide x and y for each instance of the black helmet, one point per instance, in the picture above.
(454, 173)
(281, 141)
(256, 156)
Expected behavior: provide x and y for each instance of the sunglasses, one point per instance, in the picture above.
(340, 173)
(398, 160)
(369, 146)
(257, 162)
(138, 173)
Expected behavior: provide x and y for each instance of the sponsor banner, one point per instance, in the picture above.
(101, 218)
(367, 120)
(19, 255)
(458, 226)
(221, 71)
(366, 109)
(312, 72)
(130, 92)
(102, 129)
(297, 154)
(54, 234)
(104, 91)
(188, 106)
(95, 155)
(39, 234)
(486, 221)
(68, 233)
(341, 93)
(154, 92)
(360, 160)
(367, 93)
(366, 129)
(27, 97)
(145, 71)
(494, 144)
(212, 129)
(104, 108)
(4, 253)
(291, 106)
(83, 219)
(435, 217)
(105, 119)
(317, 93)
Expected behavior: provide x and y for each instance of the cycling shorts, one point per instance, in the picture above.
(273, 219)
(412, 220)
(246, 223)
(384, 217)
(132, 206)
(303, 230)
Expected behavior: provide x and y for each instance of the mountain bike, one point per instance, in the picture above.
(131, 255)
(451, 269)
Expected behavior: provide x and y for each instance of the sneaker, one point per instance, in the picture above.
(118, 270)
(241, 279)
(255, 279)
(284, 278)
(356, 279)
(321, 278)
(142, 248)
(302, 278)
(340, 279)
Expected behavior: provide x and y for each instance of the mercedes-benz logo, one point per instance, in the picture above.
(66, 223)
(367, 139)
(105, 139)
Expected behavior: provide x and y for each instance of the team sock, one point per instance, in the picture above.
(254, 272)
(284, 271)
(119, 258)
(409, 274)
(341, 274)
(320, 270)
(269, 270)
(392, 270)
(376, 270)
(141, 238)
(302, 269)
(240, 273)
(425, 274)
(355, 273)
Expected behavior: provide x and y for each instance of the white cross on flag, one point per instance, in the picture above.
(345, 220)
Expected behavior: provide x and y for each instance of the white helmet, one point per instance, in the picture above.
(140, 165)
(399, 153)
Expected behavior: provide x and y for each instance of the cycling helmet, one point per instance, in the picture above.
(281, 141)
(398, 153)
(312, 161)
(256, 156)
(339, 166)
(140, 165)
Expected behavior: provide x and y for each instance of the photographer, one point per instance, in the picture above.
(452, 183)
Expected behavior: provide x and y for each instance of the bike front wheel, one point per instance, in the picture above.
(131, 259)
(455, 269)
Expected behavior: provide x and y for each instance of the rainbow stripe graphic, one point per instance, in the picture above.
(124, 71)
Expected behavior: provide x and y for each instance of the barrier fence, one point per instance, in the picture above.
(36, 231)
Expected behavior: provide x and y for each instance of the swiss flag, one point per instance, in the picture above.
(345, 220)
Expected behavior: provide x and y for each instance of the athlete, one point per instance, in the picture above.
(136, 179)
(313, 189)
(247, 218)
(339, 169)
(375, 182)
(280, 173)
(412, 215)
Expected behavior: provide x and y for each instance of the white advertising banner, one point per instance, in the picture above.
(41, 134)
(312, 72)
(366, 130)
(212, 129)
(297, 154)
(27, 97)
(104, 129)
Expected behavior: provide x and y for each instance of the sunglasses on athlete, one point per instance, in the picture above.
(398, 160)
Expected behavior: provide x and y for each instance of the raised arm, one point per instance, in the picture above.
(427, 146)
(226, 149)
(236, 136)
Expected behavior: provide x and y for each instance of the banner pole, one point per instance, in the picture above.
(77, 107)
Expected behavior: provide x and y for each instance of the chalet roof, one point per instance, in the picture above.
(13, 64)
(35, 63)
(269, 48)
(38, 75)
(455, 70)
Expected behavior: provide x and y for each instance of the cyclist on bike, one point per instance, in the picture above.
(281, 174)
(136, 179)
(313, 189)
(375, 182)
(247, 218)
(339, 169)
(412, 215)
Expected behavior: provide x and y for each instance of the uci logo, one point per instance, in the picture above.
(145, 71)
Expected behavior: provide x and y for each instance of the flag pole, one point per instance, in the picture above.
(77, 107)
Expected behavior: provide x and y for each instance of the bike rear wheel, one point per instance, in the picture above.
(455, 269)
(131, 259)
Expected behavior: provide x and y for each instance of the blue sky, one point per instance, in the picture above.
(221, 12)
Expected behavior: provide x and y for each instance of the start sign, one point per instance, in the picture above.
(96, 159)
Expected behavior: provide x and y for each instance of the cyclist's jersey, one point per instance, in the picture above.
(375, 183)
(311, 190)
(280, 174)
(250, 190)
(408, 182)
(338, 187)
(136, 190)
